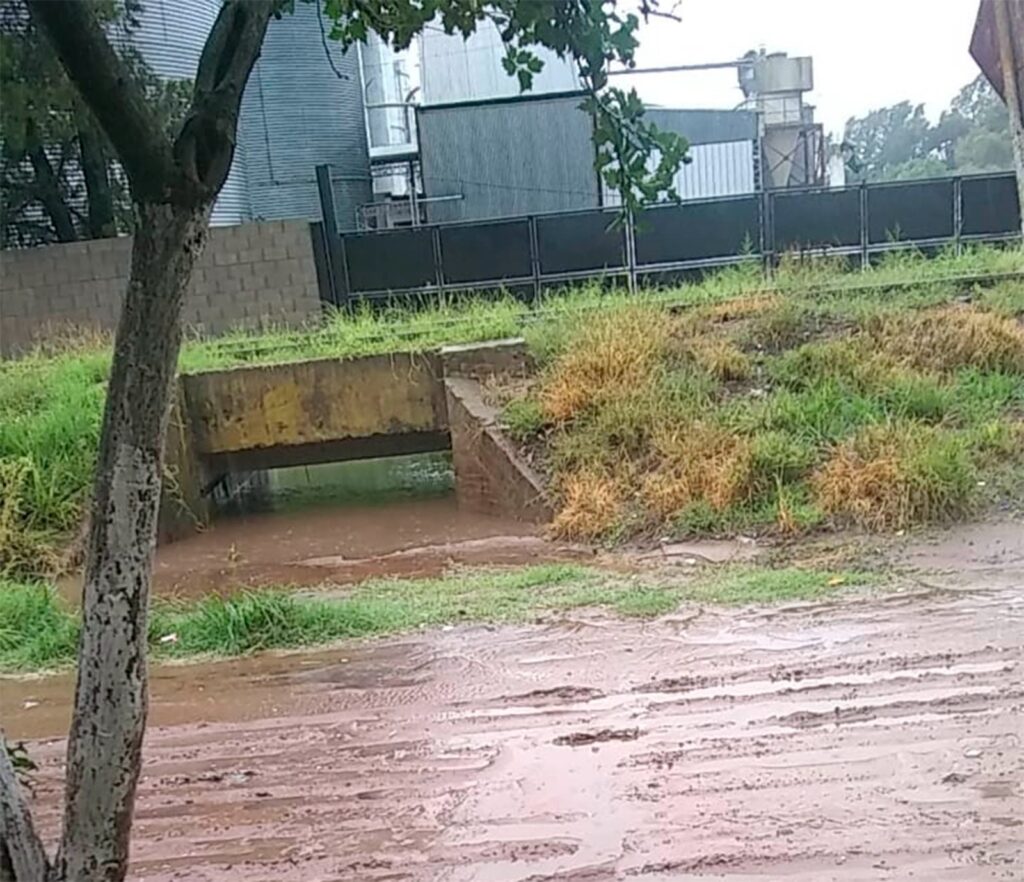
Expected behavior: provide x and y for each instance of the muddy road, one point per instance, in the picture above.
(862, 740)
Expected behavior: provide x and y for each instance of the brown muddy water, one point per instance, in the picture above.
(860, 740)
(341, 523)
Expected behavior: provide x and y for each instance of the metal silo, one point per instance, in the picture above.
(170, 37)
(303, 107)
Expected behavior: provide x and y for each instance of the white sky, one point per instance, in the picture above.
(867, 53)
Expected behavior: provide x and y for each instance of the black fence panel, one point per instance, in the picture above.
(580, 242)
(990, 206)
(671, 242)
(390, 261)
(817, 219)
(486, 252)
(912, 210)
(698, 231)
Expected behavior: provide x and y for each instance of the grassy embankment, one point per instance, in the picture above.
(788, 347)
(882, 408)
(38, 631)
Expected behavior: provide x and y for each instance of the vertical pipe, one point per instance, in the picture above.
(329, 231)
(414, 203)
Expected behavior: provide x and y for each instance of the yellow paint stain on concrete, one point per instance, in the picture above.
(315, 401)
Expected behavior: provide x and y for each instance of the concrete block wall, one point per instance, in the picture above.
(250, 275)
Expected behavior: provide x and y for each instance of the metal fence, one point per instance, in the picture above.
(526, 254)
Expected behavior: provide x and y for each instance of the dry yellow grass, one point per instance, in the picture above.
(720, 358)
(615, 353)
(739, 308)
(893, 476)
(592, 506)
(950, 337)
(698, 463)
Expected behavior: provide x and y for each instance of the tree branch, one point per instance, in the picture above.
(107, 87)
(206, 144)
(24, 851)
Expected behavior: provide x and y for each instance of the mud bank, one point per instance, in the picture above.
(855, 741)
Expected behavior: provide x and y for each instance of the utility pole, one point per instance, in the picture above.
(1006, 19)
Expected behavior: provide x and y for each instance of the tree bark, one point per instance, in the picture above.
(48, 190)
(96, 171)
(104, 747)
(22, 858)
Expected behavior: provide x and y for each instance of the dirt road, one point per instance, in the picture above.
(866, 740)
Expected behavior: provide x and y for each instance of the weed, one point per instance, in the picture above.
(592, 505)
(522, 418)
(611, 355)
(949, 338)
(720, 359)
(36, 630)
(700, 462)
(780, 327)
(894, 475)
(1005, 298)
(742, 585)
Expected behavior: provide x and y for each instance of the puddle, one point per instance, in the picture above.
(341, 523)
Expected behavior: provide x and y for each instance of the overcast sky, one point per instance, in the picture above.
(867, 53)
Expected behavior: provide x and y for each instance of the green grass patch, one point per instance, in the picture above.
(747, 585)
(39, 632)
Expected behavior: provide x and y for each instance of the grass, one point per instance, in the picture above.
(752, 356)
(781, 412)
(39, 632)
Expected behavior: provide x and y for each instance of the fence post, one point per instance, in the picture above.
(534, 256)
(766, 222)
(865, 259)
(435, 241)
(958, 214)
(629, 231)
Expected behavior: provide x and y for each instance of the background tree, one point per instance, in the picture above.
(173, 183)
(59, 179)
(899, 142)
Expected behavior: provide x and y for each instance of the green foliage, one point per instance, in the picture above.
(36, 630)
(522, 418)
(899, 143)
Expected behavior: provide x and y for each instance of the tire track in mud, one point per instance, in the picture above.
(858, 741)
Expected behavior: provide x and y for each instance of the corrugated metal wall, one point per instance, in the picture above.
(725, 169)
(507, 158)
(170, 37)
(298, 113)
(454, 69)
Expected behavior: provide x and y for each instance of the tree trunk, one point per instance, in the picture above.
(104, 747)
(21, 853)
(96, 171)
(48, 189)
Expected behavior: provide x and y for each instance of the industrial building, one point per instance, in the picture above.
(440, 132)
